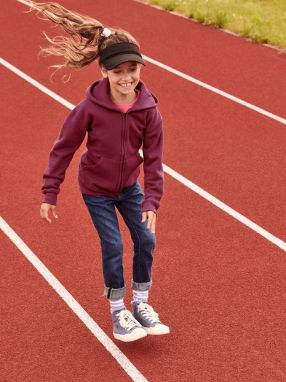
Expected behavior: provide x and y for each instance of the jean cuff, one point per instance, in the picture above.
(141, 286)
(114, 293)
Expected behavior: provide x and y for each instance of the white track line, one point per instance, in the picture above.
(88, 321)
(207, 86)
(212, 199)
(24, 2)
(217, 91)
(224, 207)
(37, 84)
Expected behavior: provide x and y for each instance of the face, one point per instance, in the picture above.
(123, 79)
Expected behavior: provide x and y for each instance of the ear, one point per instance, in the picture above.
(103, 72)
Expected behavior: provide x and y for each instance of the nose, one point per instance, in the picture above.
(126, 76)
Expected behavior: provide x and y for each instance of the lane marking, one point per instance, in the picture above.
(24, 2)
(71, 302)
(207, 86)
(174, 174)
(224, 207)
(217, 91)
(37, 84)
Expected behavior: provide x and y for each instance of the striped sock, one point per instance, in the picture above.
(116, 305)
(140, 296)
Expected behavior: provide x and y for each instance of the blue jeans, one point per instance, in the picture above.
(102, 211)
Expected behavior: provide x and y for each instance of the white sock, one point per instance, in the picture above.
(140, 296)
(116, 305)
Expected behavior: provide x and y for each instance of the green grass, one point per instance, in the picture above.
(263, 21)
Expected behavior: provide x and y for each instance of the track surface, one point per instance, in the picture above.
(219, 285)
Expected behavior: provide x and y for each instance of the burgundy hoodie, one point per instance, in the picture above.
(111, 161)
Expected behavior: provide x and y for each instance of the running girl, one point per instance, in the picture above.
(119, 115)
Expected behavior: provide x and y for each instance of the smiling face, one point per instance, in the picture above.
(123, 80)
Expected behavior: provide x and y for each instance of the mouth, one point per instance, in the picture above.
(126, 85)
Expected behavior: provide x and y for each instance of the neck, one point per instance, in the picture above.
(122, 98)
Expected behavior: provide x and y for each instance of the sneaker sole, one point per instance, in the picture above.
(157, 331)
(133, 336)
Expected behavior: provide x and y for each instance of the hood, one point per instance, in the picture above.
(98, 92)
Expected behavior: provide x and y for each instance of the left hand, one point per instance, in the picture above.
(150, 216)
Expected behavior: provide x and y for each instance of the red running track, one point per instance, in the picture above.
(227, 160)
(219, 285)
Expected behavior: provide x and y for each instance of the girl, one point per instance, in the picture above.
(120, 115)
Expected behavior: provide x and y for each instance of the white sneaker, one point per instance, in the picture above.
(149, 319)
(125, 327)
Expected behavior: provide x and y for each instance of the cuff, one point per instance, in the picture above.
(50, 198)
(141, 286)
(149, 206)
(114, 293)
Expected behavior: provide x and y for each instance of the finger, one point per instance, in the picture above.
(48, 219)
(55, 214)
(151, 217)
(153, 225)
(45, 214)
(149, 222)
(144, 217)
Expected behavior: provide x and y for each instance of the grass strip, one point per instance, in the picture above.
(262, 21)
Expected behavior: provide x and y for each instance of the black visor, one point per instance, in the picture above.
(116, 54)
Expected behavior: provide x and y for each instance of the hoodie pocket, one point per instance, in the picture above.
(132, 168)
(101, 175)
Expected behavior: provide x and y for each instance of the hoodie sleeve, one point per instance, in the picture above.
(153, 167)
(70, 138)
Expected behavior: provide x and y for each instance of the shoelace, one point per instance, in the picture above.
(148, 312)
(126, 320)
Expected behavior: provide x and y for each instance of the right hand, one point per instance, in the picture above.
(45, 211)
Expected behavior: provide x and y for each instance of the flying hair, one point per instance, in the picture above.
(85, 40)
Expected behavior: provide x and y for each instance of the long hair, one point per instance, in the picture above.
(85, 40)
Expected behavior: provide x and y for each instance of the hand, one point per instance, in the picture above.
(45, 211)
(151, 217)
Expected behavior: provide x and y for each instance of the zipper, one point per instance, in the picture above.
(124, 116)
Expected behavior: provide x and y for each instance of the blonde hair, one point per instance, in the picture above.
(85, 40)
